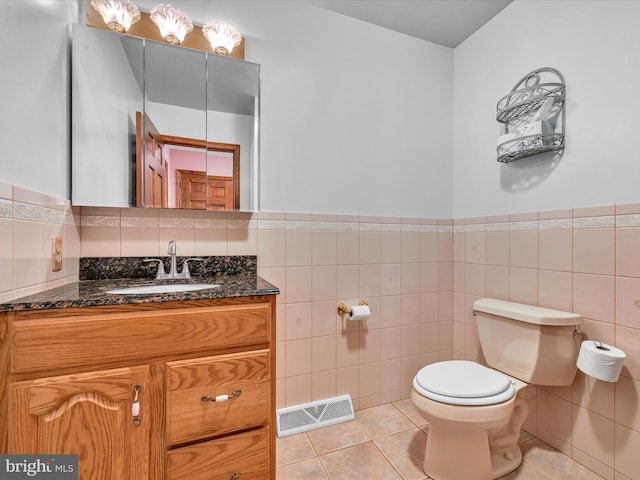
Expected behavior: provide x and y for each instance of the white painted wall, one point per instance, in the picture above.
(595, 45)
(355, 118)
(34, 90)
(357, 124)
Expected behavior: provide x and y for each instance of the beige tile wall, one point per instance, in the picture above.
(420, 276)
(28, 222)
(584, 260)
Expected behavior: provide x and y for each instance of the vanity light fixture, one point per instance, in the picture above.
(119, 15)
(173, 23)
(222, 36)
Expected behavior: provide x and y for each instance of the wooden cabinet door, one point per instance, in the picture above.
(87, 414)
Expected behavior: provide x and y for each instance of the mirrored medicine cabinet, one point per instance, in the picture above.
(160, 126)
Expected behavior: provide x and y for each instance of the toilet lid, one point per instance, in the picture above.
(461, 382)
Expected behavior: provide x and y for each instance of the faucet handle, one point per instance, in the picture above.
(185, 268)
(160, 273)
(172, 248)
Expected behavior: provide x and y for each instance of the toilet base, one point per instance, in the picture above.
(472, 443)
(507, 461)
(465, 455)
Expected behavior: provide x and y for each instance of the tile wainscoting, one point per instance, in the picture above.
(582, 260)
(28, 222)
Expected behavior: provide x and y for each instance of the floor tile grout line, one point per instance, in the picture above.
(387, 457)
(341, 448)
(324, 467)
(375, 445)
(313, 447)
(315, 452)
(407, 416)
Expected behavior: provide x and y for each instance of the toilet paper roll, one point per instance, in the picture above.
(359, 312)
(601, 361)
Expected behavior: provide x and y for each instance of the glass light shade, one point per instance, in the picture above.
(119, 15)
(222, 36)
(173, 23)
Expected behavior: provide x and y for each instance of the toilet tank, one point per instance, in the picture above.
(533, 344)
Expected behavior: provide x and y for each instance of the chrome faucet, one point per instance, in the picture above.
(173, 269)
(171, 251)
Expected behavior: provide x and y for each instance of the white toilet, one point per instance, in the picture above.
(475, 413)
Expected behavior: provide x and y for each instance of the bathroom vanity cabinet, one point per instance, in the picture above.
(132, 389)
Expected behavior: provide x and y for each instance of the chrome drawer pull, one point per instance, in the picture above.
(221, 398)
(235, 475)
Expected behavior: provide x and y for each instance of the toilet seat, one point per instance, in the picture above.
(461, 382)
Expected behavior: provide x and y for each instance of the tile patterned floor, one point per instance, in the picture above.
(387, 443)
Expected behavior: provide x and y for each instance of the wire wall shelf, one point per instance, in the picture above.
(520, 112)
(529, 145)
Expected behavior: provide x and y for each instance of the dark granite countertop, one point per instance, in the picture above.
(91, 290)
(92, 293)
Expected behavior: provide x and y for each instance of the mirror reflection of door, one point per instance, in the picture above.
(197, 190)
(153, 169)
(186, 179)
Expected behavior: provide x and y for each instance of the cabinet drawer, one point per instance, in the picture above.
(246, 454)
(119, 338)
(190, 418)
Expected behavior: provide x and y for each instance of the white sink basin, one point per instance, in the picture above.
(151, 289)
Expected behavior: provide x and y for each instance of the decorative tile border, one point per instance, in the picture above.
(390, 227)
(25, 211)
(213, 223)
(524, 225)
(99, 221)
(177, 222)
(498, 227)
(628, 220)
(272, 224)
(476, 227)
(298, 225)
(54, 216)
(145, 222)
(594, 222)
(324, 226)
(348, 227)
(556, 224)
(243, 224)
(369, 227)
